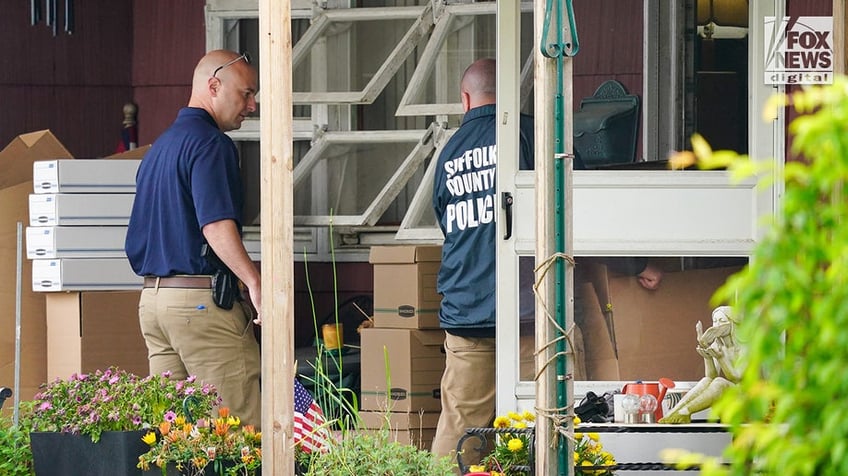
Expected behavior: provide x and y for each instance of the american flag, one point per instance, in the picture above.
(309, 431)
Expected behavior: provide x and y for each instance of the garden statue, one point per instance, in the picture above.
(718, 346)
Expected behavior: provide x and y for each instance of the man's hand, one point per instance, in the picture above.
(650, 277)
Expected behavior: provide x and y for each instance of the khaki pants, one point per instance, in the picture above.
(187, 334)
(468, 393)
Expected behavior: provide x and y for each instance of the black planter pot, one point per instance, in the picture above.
(62, 454)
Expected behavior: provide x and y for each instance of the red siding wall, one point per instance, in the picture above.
(610, 34)
(802, 8)
(75, 85)
(168, 39)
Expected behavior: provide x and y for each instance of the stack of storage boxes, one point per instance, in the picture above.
(402, 356)
(78, 221)
(78, 216)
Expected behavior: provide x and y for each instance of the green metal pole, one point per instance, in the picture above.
(559, 50)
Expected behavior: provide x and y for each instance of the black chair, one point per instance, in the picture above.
(5, 393)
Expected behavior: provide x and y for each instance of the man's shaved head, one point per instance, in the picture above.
(478, 85)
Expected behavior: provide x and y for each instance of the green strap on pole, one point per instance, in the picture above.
(559, 50)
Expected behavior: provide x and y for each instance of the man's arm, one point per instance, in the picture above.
(224, 238)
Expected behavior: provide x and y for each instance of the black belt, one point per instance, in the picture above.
(186, 282)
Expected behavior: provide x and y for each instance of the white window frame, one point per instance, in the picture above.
(431, 62)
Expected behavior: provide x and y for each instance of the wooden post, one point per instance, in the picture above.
(545, 77)
(544, 85)
(277, 163)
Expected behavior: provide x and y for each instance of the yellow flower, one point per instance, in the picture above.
(515, 445)
(520, 425)
(199, 462)
(578, 436)
(179, 421)
(577, 420)
(593, 436)
(476, 468)
(149, 438)
(528, 416)
(501, 422)
(514, 416)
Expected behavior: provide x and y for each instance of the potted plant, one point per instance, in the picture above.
(511, 455)
(219, 446)
(92, 423)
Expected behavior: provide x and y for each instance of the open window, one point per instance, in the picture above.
(347, 56)
(463, 33)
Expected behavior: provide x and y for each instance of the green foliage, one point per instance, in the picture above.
(788, 412)
(374, 453)
(15, 454)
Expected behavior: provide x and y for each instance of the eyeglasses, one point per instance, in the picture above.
(244, 56)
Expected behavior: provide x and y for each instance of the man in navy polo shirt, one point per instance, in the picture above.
(188, 194)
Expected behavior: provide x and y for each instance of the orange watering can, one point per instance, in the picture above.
(657, 389)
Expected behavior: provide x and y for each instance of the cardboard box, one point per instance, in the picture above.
(654, 330)
(405, 286)
(85, 176)
(94, 330)
(16, 161)
(75, 242)
(82, 274)
(417, 429)
(416, 362)
(80, 209)
(137, 153)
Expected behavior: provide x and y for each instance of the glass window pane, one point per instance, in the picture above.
(349, 56)
(250, 174)
(357, 172)
(366, 177)
(623, 330)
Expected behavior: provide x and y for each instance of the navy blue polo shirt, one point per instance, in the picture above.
(189, 178)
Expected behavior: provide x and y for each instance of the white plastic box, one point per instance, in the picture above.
(80, 209)
(84, 274)
(75, 241)
(84, 175)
